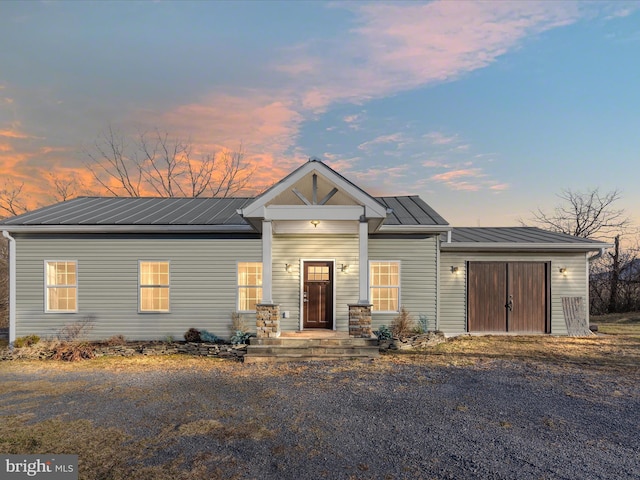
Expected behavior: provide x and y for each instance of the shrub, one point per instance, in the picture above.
(192, 335)
(403, 325)
(73, 351)
(208, 337)
(76, 330)
(383, 333)
(240, 337)
(423, 323)
(27, 341)
(115, 340)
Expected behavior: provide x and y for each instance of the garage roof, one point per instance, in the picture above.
(517, 238)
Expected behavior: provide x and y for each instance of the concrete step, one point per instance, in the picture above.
(302, 358)
(310, 349)
(314, 342)
(314, 350)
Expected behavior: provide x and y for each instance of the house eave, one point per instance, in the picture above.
(414, 229)
(521, 247)
(128, 228)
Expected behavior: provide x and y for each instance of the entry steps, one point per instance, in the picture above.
(287, 349)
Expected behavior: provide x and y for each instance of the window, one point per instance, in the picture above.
(249, 285)
(61, 286)
(385, 286)
(154, 286)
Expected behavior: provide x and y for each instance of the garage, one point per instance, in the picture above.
(508, 297)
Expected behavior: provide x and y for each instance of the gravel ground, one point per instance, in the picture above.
(496, 420)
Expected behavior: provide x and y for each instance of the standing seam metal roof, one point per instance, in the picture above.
(524, 235)
(406, 210)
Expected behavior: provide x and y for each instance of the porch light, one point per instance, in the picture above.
(315, 223)
(288, 267)
(454, 270)
(563, 271)
(344, 268)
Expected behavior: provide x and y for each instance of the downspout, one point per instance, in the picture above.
(597, 255)
(12, 287)
(438, 242)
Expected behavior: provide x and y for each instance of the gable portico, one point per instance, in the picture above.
(312, 206)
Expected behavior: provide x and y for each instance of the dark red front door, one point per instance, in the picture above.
(317, 295)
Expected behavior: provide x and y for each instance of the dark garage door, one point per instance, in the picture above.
(508, 297)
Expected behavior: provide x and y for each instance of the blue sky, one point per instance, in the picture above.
(486, 110)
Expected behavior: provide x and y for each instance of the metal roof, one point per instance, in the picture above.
(410, 210)
(215, 213)
(136, 211)
(488, 238)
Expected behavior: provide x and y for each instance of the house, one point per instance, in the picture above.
(314, 252)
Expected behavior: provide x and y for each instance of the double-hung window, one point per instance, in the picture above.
(61, 285)
(249, 285)
(154, 286)
(384, 278)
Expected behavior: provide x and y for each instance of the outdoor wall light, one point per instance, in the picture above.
(454, 270)
(315, 223)
(563, 270)
(288, 267)
(344, 268)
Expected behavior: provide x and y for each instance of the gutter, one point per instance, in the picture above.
(129, 228)
(12, 287)
(515, 246)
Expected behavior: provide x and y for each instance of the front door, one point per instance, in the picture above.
(508, 297)
(317, 294)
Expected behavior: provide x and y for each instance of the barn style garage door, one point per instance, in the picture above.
(508, 297)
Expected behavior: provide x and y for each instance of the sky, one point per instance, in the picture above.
(486, 110)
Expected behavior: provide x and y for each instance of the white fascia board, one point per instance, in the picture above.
(374, 209)
(414, 228)
(313, 212)
(513, 247)
(128, 228)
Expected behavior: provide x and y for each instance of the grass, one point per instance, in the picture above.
(111, 453)
(105, 453)
(626, 324)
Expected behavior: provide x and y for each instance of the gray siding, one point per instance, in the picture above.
(342, 249)
(417, 275)
(453, 305)
(203, 284)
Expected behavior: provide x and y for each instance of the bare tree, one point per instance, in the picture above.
(112, 168)
(11, 198)
(589, 214)
(65, 188)
(614, 282)
(164, 166)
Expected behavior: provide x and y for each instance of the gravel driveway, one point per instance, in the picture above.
(495, 420)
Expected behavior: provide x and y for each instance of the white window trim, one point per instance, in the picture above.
(47, 286)
(238, 286)
(140, 287)
(399, 285)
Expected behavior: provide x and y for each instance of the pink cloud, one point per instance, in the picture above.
(456, 174)
(266, 126)
(439, 138)
(397, 138)
(500, 187)
(400, 46)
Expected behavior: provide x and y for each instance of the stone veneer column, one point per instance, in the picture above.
(360, 320)
(267, 320)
